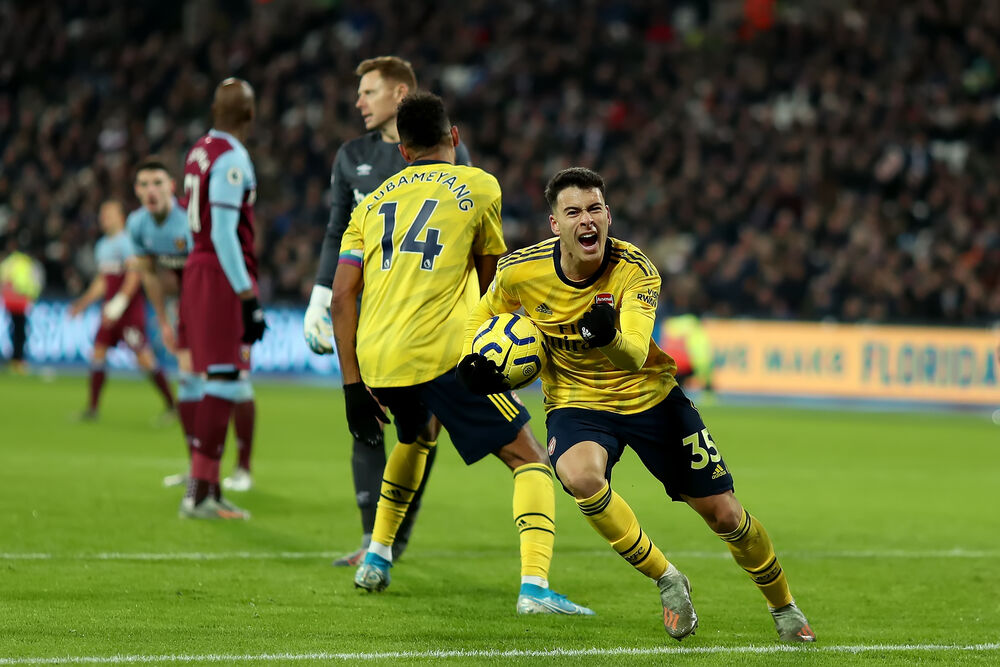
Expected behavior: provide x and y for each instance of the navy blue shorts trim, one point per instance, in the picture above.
(477, 425)
(670, 438)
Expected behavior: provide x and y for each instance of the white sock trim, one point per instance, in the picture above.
(383, 550)
(537, 581)
(670, 570)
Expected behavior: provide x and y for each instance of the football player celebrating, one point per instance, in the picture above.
(607, 386)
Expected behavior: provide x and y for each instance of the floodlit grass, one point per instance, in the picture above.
(885, 524)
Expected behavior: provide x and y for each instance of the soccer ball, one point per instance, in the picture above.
(515, 345)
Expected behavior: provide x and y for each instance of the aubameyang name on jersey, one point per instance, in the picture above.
(460, 190)
(564, 342)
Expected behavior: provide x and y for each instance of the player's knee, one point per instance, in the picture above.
(582, 481)
(522, 450)
(722, 513)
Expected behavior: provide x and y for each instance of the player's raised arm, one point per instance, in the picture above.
(226, 189)
(316, 325)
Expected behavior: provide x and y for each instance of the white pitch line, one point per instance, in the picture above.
(496, 653)
(322, 555)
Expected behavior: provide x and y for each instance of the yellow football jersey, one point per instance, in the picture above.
(577, 375)
(414, 238)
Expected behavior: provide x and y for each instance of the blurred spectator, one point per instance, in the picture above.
(21, 281)
(776, 160)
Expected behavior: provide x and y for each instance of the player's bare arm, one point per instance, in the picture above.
(486, 269)
(95, 291)
(146, 267)
(347, 287)
(363, 411)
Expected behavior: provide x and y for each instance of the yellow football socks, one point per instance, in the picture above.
(403, 471)
(534, 517)
(752, 549)
(611, 516)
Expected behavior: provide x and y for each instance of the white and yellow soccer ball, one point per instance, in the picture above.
(514, 343)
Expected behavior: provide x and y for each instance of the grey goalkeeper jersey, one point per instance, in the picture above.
(361, 166)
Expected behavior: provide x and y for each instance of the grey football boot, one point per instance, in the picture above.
(679, 616)
(792, 625)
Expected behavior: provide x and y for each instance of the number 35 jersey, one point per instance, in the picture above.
(414, 239)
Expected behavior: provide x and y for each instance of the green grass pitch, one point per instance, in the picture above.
(885, 523)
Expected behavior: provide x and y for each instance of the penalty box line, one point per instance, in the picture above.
(511, 653)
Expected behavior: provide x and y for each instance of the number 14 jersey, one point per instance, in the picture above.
(414, 239)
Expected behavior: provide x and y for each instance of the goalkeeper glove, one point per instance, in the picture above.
(363, 414)
(480, 375)
(317, 327)
(597, 326)
(253, 321)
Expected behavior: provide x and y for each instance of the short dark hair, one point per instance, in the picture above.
(150, 163)
(574, 177)
(422, 121)
(390, 67)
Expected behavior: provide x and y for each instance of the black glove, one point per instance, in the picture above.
(253, 321)
(480, 375)
(597, 326)
(363, 414)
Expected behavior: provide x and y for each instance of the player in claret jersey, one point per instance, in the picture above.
(220, 310)
(607, 386)
(123, 316)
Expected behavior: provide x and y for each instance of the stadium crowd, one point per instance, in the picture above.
(811, 163)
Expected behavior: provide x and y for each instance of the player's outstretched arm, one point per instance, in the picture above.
(94, 292)
(316, 325)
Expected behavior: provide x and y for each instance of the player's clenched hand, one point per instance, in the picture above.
(481, 375)
(253, 321)
(317, 327)
(597, 326)
(363, 414)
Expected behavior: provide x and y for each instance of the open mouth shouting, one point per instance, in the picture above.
(589, 241)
